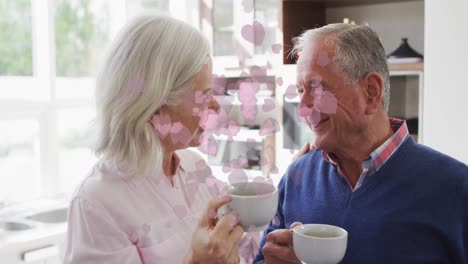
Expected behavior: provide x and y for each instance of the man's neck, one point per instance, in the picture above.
(350, 158)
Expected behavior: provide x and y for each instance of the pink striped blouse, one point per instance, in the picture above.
(147, 220)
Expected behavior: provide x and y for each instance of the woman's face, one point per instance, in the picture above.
(180, 126)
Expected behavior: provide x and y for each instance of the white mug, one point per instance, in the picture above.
(254, 202)
(319, 244)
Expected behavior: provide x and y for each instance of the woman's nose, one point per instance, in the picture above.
(213, 104)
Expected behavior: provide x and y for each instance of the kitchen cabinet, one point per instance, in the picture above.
(392, 20)
(40, 251)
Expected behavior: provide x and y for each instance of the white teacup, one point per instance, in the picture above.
(254, 202)
(319, 244)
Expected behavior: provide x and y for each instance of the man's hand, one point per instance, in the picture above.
(278, 247)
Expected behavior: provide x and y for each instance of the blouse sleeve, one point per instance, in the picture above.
(248, 247)
(94, 237)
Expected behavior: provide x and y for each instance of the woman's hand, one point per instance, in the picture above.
(306, 148)
(215, 241)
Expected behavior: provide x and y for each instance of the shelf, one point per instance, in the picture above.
(342, 3)
(244, 135)
(417, 66)
(234, 100)
(405, 73)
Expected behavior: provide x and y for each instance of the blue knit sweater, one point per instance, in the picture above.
(414, 209)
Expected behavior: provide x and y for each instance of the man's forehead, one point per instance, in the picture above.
(314, 60)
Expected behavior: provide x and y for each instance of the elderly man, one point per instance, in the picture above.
(401, 202)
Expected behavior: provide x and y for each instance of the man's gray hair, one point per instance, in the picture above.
(358, 51)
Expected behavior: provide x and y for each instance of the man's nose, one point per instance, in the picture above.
(306, 99)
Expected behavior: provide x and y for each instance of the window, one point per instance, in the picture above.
(81, 38)
(81, 30)
(161, 5)
(19, 159)
(224, 27)
(266, 11)
(15, 38)
(74, 155)
(50, 52)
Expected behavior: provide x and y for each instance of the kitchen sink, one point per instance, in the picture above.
(14, 226)
(51, 216)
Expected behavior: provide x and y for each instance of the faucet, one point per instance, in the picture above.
(4, 204)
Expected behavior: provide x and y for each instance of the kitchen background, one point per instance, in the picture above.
(50, 51)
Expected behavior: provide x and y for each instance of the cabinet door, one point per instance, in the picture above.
(44, 255)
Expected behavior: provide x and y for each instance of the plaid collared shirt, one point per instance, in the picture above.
(381, 154)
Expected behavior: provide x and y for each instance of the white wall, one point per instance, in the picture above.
(392, 21)
(445, 121)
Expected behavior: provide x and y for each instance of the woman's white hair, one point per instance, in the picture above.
(149, 64)
(358, 51)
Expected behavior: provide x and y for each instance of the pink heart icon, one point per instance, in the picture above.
(180, 211)
(251, 142)
(162, 124)
(237, 176)
(259, 184)
(219, 84)
(176, 128)
(196, 111)
(304, 111)
(249, 112)
(326, 103)
(296, 175)
(274, 169)
(191, 190)
(314, 117)
(209, 120)
(211, 181)
(208, 145)
(291, 92)
(279, 81)
(276, 221)
(258, 73)
(276, 48)
(268, 105)
(135, 86)
(242, 161)
(201, 98)
(323, 59)
(247, 92)
(227, 168)
(179, 133)
(254, 34)
(233, 128)
(270, 126)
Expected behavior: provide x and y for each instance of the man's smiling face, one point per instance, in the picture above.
(333, 108)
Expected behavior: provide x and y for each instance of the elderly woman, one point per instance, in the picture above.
(149, 199)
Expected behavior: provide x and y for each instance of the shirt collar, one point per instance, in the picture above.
(382, 153)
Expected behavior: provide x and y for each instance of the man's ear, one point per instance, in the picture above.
(373, 91)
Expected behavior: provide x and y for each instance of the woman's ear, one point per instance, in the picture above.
(374, 92)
